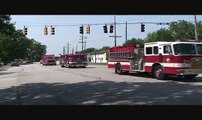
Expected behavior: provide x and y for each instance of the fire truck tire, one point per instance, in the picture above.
(118, 69)
(159, 72)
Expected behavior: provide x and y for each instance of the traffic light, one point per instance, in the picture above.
(105, 28)
(142, 27)
(111, 29)
(45, 30)
(81, 29)
(88, 29)
(52, 30)
(25, 31)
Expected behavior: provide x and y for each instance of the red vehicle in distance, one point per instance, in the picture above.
(74, 60)
(48, 60)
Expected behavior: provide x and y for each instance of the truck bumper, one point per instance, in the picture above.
(51, 63)
(77, 65)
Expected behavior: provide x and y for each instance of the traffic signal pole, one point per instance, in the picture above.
(81, 32)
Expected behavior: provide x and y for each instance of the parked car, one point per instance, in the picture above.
(29, 62)
(14, 63)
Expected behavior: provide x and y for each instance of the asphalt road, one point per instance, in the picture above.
(36, 84)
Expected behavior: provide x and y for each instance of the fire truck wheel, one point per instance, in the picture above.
(118, 69)
(159, 73)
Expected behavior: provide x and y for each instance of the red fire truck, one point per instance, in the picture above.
(48, 60)
(182, 58)
(73, 60)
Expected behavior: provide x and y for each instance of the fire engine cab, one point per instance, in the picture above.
(182, 58)
(48, 60)
(74, 60)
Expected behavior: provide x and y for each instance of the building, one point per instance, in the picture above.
(98, 57)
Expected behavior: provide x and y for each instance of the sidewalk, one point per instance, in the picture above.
(4, 68)
(8, 85)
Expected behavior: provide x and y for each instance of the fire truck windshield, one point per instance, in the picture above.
(184, 48)
(50, 57)
(199, 48)
(83, 58)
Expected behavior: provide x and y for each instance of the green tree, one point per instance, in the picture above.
(104, 48)
(89, 50)
(36, 50)
(20, 45)
(199, 30)
(6, 28)
(160, 35)
(14, 44)
(182, 30)
(177, 30)
(5, 47)
(134, 41)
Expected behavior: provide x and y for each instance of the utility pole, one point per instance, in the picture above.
(126, 32)
(73, 50)
(82, 41)
(115, 30)
(195, 28)
(76, 47)
(63, 50)
(68, 46)
(95, 55)
(115, 36)
(84, 44)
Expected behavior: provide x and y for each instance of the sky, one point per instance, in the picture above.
(67, 28)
